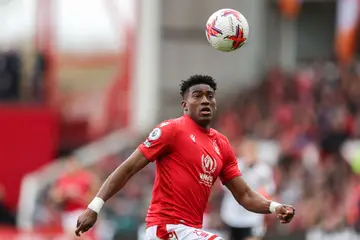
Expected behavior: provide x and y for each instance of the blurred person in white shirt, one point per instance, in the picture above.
(245, 225)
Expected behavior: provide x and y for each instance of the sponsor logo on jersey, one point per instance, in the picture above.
(208, 165)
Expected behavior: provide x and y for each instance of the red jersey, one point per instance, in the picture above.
(189, 160)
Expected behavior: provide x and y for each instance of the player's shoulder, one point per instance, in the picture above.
(220, 136)
(170, 124)
(173, 122)
(165, 128)
(222, 140)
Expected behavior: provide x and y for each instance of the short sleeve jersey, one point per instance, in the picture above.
(189, 159)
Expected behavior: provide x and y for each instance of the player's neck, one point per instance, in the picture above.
(205, 125)
(202, 124)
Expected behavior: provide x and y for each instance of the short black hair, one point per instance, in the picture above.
(195, 80)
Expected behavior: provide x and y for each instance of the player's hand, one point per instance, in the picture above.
(285, 213)
(85, 221)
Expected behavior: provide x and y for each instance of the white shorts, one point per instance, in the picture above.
(178, 232)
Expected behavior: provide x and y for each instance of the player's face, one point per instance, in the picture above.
(200, 103)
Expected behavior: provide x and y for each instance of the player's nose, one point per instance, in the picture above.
(205, 101)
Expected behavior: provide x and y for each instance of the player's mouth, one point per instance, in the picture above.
(206, 111)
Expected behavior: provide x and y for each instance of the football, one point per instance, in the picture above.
(227, 30)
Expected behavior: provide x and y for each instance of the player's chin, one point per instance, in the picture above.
(205, 116)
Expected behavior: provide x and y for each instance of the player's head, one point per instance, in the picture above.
(198, 93)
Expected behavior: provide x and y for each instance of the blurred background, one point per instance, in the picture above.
(82, 82)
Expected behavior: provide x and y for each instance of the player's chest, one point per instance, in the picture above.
(202, 154)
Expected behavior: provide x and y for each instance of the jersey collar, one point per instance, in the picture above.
(192, 122)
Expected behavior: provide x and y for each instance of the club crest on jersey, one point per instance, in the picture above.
(216, 148)
(208, 165)
(155, 134)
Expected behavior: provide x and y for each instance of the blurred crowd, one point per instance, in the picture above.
(307, 115)
(311, 113)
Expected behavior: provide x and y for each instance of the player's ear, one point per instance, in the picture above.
(184, 105)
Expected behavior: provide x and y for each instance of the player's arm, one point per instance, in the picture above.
(116, 181)
(231, 177)
(154, 147)
(113, 184)
(255, 202)
(246, 197)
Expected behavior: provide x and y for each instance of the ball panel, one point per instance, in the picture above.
(227, 30)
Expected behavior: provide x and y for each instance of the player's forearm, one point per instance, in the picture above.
(248, 198)
(254, 202)
(115, 182)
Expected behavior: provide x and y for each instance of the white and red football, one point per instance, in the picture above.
(227, 30)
